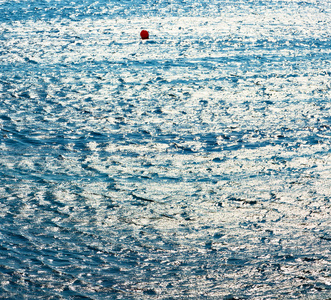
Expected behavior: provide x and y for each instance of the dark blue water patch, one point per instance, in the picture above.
(40, 10)
(17, 140)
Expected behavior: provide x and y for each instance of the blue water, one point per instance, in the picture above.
(193, 165)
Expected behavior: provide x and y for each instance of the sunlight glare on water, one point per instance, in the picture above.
(195, 164)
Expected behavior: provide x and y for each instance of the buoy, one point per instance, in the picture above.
(144, 34)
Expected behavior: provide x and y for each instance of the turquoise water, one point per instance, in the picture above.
(193, 165)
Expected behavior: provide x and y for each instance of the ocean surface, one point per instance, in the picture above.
(193, 165)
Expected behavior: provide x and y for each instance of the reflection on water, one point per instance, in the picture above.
(192, 165)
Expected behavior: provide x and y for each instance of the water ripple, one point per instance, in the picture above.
(192, 165)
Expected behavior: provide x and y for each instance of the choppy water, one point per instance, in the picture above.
(196, 164)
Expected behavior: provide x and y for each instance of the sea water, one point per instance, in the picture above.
(193, 165)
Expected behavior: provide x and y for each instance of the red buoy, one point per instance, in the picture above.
(144, 34)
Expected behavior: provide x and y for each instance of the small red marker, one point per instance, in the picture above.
(144, 34)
